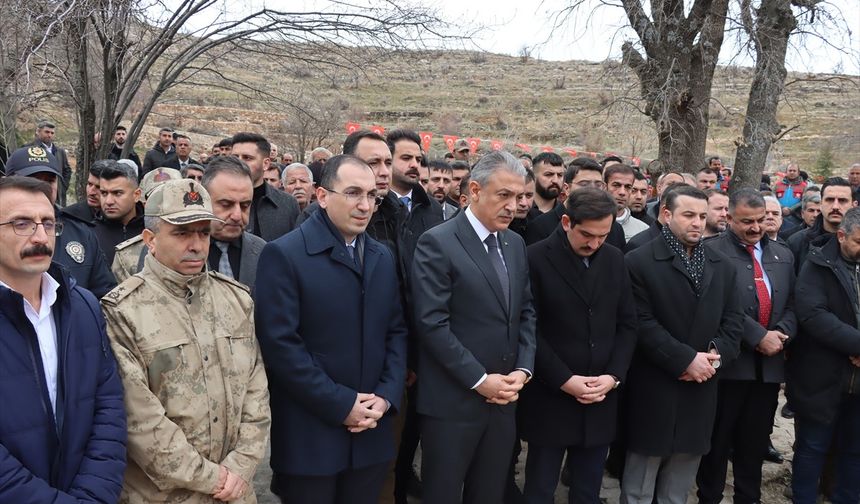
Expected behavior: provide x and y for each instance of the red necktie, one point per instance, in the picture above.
(760, 289)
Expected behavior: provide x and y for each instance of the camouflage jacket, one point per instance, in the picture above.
(195, 388)
(126, 261)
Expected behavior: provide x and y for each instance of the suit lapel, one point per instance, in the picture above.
(563, 261)
(475, 249)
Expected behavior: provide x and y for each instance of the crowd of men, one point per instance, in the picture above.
(159, 335)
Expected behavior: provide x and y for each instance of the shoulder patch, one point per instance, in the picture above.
(234, 282)
(129, 242)
(118, 293)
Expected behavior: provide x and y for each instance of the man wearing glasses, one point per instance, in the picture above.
(65, 441)
(77, 248)
(335, 381)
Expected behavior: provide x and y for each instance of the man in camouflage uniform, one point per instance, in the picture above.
(195, 387)
(128, 259)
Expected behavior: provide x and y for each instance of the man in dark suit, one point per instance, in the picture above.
(583, 172)
(233, 252)
(748, 389)
(572, 403)
(473, 308)
(690, 324)
(335, 381)
(45, 131)
(273, 212)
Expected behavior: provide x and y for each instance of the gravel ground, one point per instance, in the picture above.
(775, 478)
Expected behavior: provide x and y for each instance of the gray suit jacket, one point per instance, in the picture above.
(276, 214)
(778, 264)
(465, 326)
(251, 248)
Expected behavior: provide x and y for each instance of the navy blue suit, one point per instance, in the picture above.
(328, 330)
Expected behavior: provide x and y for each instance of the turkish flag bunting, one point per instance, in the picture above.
(547, 148)
(352, 127)
(473, 144)
(379, 130)
(496, 144)
(570, 151)
(636, 161)
(525, 147)
(449, 141)
(426, 137)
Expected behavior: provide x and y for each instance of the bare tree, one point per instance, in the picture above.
(769, 28)
(124, 55)
(311, 123)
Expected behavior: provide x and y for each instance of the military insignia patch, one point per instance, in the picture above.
(161, 176)
(76, 251)
(192, 197)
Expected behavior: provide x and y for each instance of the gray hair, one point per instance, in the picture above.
(151, 223)
(321, 149)
(495, 161)
(851, 221)
(810, 197)
(224, 164)
(295, 166)
(771, 199)
(44, 123)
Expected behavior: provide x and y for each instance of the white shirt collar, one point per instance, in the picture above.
(48, 296)
(408, 195)
(479, 228)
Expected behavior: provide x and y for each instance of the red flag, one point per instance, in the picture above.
(449, 141)
(426, 137)
(379, 130)
(352, 127)
(592, 154)
(524, 147)
(497, 144)
(636, 161)
(570, 151)
(473, 144)
(547, 148)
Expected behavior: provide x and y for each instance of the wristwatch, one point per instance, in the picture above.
(617, 382)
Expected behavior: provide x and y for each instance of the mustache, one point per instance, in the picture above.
(37, 250)
(193, 257)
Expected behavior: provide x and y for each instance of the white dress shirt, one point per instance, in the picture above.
(46, 332)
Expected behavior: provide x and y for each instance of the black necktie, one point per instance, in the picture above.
(498, 265)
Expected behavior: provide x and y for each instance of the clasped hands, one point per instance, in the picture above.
(701, 369)
(502, 389)
(772, 343)
(589, 389)
(230, 486)
(366, 412)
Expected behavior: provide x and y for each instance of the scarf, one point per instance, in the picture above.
(694, 264)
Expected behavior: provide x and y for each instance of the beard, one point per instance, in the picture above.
(548, 193)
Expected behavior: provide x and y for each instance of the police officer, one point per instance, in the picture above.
(195, 386)
(128, 259)
(77, 249)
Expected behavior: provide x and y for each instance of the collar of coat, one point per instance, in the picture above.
(175, 283)
(320, 236)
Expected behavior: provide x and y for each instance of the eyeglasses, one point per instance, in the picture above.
(355, 196)
(591, 183)
(27, 227)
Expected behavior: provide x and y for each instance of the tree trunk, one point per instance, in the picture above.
(676, 73)
(86, 107)
(775, 22)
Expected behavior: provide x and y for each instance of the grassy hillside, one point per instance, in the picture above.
(587, 106)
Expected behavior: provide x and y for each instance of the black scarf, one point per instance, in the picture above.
(694, 263)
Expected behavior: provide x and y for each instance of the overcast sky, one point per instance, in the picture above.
(597, 34)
